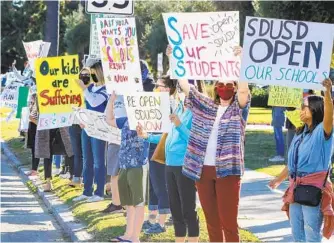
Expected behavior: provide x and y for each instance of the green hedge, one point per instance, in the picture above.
(259, 96)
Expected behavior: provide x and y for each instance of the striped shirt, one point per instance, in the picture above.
(231, 136)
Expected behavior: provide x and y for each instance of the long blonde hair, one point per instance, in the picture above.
(98, 72)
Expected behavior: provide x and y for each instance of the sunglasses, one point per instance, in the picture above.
(227, 85)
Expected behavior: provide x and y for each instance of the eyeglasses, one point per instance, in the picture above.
(227, 85)
(160, 86)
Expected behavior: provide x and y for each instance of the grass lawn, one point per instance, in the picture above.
(260, 146)
(258, 115)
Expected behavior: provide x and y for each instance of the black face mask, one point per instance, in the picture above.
(85, 78)
(94, 78)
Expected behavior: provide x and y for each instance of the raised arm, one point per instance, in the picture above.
(243, 94)
(110, 116)
(328, 108)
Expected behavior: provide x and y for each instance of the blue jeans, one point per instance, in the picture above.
(279, 139)
(57, 160)
(305, 223)
(94, 168)
(75, 136)
(158, 188)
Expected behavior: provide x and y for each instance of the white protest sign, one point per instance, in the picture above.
(116, 7)
(160, 67)
(94, 48)
(203, 44)
(119, 54)
(96, 125)
(36, 49)
(286, 52)
(9, 96)
(24, 123)
(149, 109)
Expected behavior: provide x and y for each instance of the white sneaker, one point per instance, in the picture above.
(65, 176)
(56, 171)
(80, 198)
(277, 159)
(95, 199)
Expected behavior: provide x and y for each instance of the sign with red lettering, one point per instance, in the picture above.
(203, 44)
(286, 52)
(57, 91)
(119, 54)
(36, 49)
(149, 109)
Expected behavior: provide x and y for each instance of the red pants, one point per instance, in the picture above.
(220, 202)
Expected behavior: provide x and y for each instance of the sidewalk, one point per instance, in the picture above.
(260, 209)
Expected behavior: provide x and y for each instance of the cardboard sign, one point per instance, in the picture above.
(285, 97)
(149, 109)
(286, 52)
(57, 90)
(119, 54)
(36, 49)
(294, 117)
(116, 7)
(9, 96)
(97, 127)
(22, 100)
(94, 48)
(203, 45)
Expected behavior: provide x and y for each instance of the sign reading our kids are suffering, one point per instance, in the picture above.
(151, 110)
(286, 52)
(285, 97)
(119, 54)
(202, 45)
(57, 91)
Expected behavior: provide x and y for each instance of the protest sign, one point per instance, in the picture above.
(149, 109)
(119, 54)
(160, 67)
(10, 94)
(294, 117)
(285, 97)
(203, 45)
(24, 123)
(36, 49)
(96, 126)
(286, 52)
(57, 90)
(22, 100)
(94, 48)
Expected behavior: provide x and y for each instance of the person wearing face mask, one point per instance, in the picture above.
(93, 149)
(75, 135)
(181, 189)
(215, 153)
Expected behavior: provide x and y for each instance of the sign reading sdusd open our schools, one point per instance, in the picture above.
(57, 90)
(286, 52)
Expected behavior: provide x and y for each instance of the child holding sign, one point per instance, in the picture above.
(131, 182)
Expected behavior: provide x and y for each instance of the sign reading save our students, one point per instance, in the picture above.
(202, 45)
(286, 52)
(57, 91)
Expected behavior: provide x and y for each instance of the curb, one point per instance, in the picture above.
(63, 214)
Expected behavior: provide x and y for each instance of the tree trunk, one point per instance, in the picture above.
(51, 30)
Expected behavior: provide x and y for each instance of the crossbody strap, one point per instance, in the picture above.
(296, 162)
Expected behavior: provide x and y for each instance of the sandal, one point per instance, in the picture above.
(47, 187)
(119, 239)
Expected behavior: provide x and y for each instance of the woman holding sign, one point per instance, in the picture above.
(181, 190)
(309, 200)
(93, 149)
(215, 154)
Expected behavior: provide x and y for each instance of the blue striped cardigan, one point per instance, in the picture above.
(231, 136)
